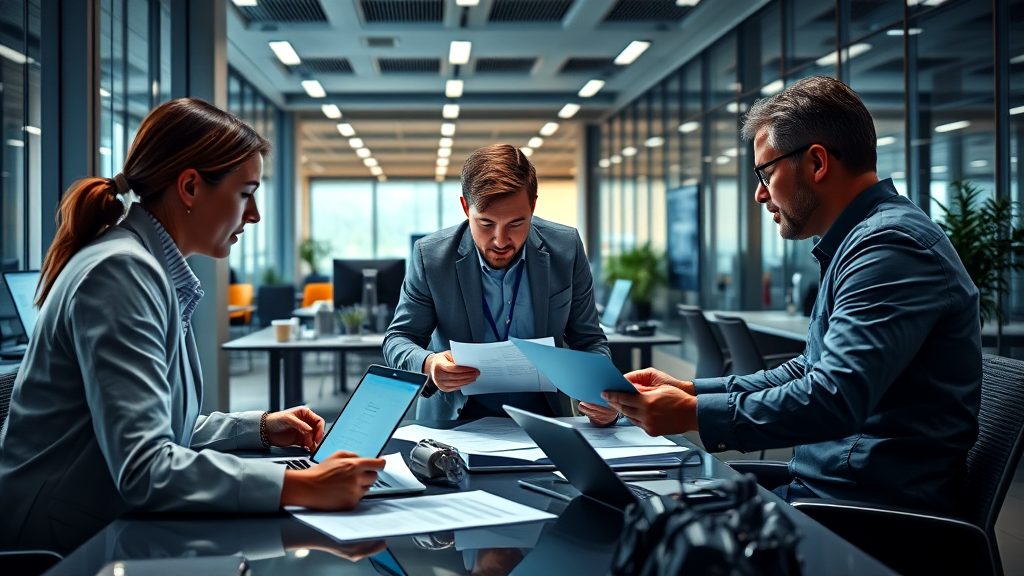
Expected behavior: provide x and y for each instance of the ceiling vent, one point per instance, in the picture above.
(409, 65)
(647, 11)
(586, 65)
(529, 10)
(284, 11)
(380, 41)
(322, 66)
(402, 11)
(505, 65)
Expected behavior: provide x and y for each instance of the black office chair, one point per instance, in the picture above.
(743, 351)
(7, 376)
(913, 542)
(711, 359)
(274, 302)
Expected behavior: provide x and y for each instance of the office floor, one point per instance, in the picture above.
(249, 392)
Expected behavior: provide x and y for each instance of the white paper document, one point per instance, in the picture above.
(467, 442)
(420, 515)
(503, 368)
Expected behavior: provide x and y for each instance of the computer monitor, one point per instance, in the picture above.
(22, 288)
(616, 303)
(348, 281)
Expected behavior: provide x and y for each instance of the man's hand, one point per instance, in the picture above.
(446, 374)
(599, 415)
(298, 426)
(650, 377)
(337, 483)
(658, 410)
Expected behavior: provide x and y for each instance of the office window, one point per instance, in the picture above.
(868, 17)
(615, 231)
(725, 82)
(451, 207)
(811, 30)
(660, 137)
(630, 177)
(404, 208)
(1016, 119)
(768, 25)
(342, 214)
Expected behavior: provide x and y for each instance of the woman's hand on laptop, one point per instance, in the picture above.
(337, 483)
(297, 426)
(599, 415)
(446, 374)
(651, 378)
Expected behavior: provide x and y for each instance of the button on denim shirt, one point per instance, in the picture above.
(882, 406)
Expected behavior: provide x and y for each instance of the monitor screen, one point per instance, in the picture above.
(370, 416)
(22, 288)
(348, 281)
(616, 303)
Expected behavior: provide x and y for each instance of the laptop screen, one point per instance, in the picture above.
(616, 302)
(372, 413)
(22, 287)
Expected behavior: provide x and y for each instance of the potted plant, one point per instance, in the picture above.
(311, 252)
(645, 267)
(988, 242)
(270, 277)
(351, 317)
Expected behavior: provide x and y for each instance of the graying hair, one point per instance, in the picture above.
(817, 110)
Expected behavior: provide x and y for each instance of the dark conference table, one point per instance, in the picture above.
(288, 355)
(581, 541)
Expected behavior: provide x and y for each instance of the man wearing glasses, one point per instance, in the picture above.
(882, 406)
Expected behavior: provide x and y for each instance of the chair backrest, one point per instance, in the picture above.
(710, 357)
(6, 387)
(240, 295)
(746, 357)
(993, 459)
(315, 291)
(274, 302)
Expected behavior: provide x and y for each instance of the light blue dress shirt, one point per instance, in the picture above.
(498, 286)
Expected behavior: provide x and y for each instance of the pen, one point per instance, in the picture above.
(641, 474)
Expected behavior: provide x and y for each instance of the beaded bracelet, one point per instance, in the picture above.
(263, 430)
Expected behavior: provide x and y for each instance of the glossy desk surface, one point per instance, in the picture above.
(581, 541)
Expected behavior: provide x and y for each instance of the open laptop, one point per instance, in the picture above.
(21, 287)
(616, 305)
(367, 421)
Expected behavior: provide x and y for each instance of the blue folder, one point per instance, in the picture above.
(581, 375)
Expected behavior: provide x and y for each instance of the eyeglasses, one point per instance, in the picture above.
(764, 177)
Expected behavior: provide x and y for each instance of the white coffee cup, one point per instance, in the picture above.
(283, 330)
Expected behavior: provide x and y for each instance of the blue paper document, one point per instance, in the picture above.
(582, 375)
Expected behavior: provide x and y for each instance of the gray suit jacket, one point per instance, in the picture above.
(105, 411)
(441, 296)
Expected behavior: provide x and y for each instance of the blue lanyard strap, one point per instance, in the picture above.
(511, 308)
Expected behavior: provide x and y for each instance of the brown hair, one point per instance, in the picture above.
(178, 135)
(497, 171)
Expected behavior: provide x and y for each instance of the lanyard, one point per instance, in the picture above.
(511, 308)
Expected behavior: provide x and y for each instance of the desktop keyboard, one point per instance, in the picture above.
(303, 464)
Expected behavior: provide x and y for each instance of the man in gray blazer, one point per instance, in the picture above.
(501, 273)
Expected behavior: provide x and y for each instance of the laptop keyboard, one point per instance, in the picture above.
(302, 464)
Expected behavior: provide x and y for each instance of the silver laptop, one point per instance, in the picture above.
(616, 305)
(367, 421)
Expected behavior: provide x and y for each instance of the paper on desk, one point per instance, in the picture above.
(466, 442)
(535, 454)
(420, 515)
(517, 536)
(503, 368)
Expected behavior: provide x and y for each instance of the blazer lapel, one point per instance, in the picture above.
(467, 269)
(538, 264)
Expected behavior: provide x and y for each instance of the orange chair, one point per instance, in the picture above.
(240, 295)
(316, 291)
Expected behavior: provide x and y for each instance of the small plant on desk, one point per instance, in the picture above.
(351, 317)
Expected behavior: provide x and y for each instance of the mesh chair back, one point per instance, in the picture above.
(710, 358)
(6, 387)
(743, 351)
(993, 459)
(274, 302)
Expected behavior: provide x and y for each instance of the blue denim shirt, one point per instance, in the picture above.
(883, 404)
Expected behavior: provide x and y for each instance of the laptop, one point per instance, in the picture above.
(366, 423)
(616, 305)
(21, 287)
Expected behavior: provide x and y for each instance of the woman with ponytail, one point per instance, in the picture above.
(104, 416)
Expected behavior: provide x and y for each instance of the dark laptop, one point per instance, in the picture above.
(21, 290)
(616, 305)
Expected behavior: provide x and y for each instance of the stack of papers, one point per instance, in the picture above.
(503, 368)
(420, 515)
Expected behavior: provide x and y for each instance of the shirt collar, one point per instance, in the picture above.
(486, 267)
(852, 215)
(186, 284)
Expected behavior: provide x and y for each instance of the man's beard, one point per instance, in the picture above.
(793, 221)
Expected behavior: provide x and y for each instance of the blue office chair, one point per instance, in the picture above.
(915, 542)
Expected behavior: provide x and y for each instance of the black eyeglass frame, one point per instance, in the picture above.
(765, 178)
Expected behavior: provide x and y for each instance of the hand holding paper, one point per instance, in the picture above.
(503, 368)
(581, 375)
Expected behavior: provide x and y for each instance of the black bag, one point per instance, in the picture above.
(734, 532)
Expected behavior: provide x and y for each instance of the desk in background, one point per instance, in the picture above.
(288, 355)
(580, 542)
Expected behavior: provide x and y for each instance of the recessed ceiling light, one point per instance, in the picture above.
(604, 163)
(444, 152)
(535, 142)
(631, 52)
(453, 88)
(1017, 110)
(244, 3)
(346, 129)
(959, 125)
(885, 141)
(590, 88)
(722, 160)
(467, 2)
(441, 170)
(654, 141)
(331, 111)
(376, 170)
(898, 175)
(285, 53)
(363, 153)
(899, 31)
(382, 178)
(549, 129)
(687, 127)
(458, 51)
(314, 89)
(689, 3)
(443, 161)
(569, 110)
(444, 143)
(355, 142)
(772, 87)
(527, 151)
(628, 151)
(853, 51)
(448, 129)
(371, 162)
(450, 111)
(979, 163)
(616, 159)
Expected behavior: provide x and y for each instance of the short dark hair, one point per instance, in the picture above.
(817, 110)
(497, 171)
